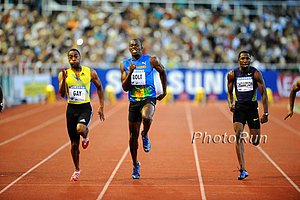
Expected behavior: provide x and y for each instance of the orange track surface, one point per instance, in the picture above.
(36, 161)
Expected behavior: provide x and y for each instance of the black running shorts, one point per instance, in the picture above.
(247, 112)
(77, 113)
(135, 108)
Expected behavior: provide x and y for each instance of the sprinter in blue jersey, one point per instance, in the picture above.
(138, 80)
(245, 80)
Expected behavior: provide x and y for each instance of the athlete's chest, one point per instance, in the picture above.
(78, 78)
(141, 65)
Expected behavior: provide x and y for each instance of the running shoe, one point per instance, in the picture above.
(75, 175)
(136, 171)
(243, 174)
(146, 143)
(85, 142)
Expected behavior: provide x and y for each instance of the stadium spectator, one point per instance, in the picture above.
(177, 33)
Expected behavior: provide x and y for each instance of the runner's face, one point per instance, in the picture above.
(135, 47)
(74, 59)
(244, 60)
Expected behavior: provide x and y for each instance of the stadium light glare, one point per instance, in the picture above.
(79, 41)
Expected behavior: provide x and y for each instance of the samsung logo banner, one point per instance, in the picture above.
(187, 81)
(182, 81)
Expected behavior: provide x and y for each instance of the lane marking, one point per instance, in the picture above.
(34, 167)
(277, 121)
(43, 125)
(25, 114)
(191, 130)
(113, 174)
(278, 168)
(152, 186)
(267, 157)
(109, 114)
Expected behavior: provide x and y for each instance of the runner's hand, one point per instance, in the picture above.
(101, 113)
(132, 67)
(64, 73)
(232, 108)
(264, 119)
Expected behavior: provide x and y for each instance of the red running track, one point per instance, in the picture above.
(36, 161)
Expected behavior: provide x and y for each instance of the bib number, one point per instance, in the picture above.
(244, 84)
(138, 77)
(77, 93)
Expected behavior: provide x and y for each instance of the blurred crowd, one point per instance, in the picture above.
(178, 35)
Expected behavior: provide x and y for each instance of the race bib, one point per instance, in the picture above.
(138, 77)
(244, 84)
(77, 93)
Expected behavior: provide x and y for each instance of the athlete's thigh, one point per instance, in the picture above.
(134, 112)
(71, 119)
(253, 118)
(84, 118)
(148, 109)
(239, 116)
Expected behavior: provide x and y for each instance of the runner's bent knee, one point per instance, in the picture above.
(147, 119)
(81, 128)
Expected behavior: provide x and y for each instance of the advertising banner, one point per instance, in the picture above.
(28, 88)
(285, 82)
(184, 82)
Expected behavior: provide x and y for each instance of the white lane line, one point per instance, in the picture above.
(278, 168)
(191, 130)
(34, 167)
(47, 123)
(113, 174)
(109, 113)
(24, 114)
(268, 157)
(279, 122)
(159, 186)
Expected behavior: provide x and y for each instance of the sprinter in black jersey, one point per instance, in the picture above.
(245, 80)
(294, 90)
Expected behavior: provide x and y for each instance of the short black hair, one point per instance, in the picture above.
(244, 52)
(73, 49)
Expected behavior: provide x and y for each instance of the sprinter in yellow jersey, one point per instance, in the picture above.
(75, 83)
